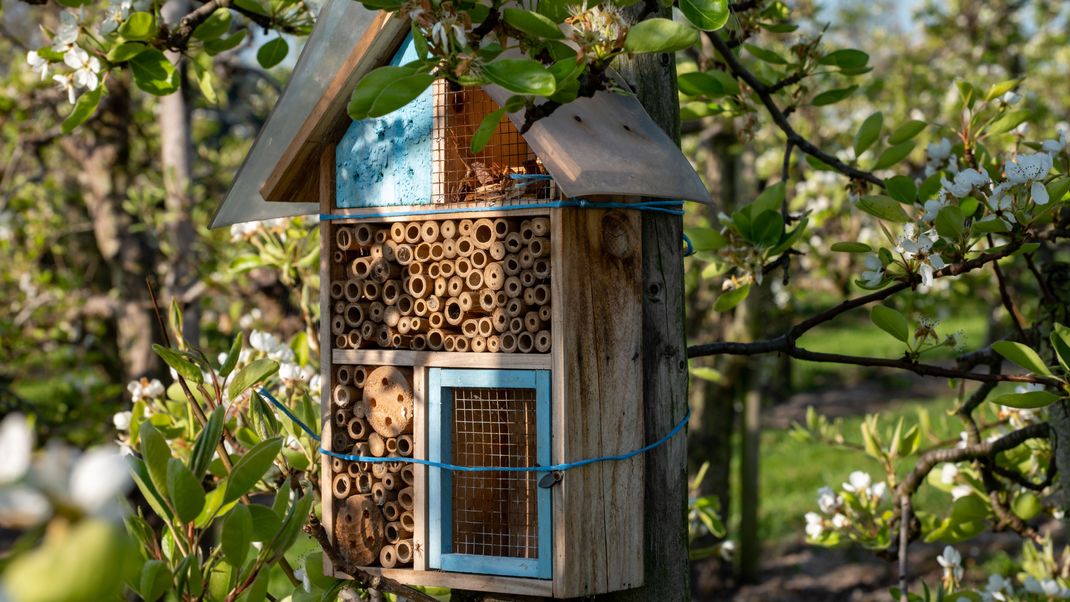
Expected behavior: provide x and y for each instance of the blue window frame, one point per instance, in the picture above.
(493, 523)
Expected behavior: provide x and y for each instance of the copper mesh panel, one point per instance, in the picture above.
(486, 177)
(495, 513)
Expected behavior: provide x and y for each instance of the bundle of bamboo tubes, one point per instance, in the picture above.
(371, 416)
(480, 285)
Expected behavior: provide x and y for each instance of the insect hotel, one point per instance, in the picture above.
(470, 318)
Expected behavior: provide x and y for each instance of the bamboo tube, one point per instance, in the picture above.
(403, 254)
(343, 237)
(390, 251)
(494, 276)
(479, 259)
(391, 290)
(526, 259)
(339, 307)
(412, 233)
(338, 325)
(527, 278)
(436, 321)
(383, 270)
(376, 444)
(511, 265)
(450, 343)
(516, 325)
(494, 344)
(339, 257)
(344, 375)
(391, 316)
(353, 339)
(341, 486)
(408, 476)
(375, 312)
(340, 441)
(337, 465)
(532, 323)
(357, 428)
(449, 248)
(395, 468)
(393, 532)
(461, 344)
(447, 229)
(454, 286)
(486, 301)
(434, 270)
(390, 480)
(406, 501)
(415, 268)
(360, 449)
(383, 336)
(417, 286)
(540, 226)
(371, 290)
(368, 330)
(418, 325)
(353, 315)
(378, 472)
(465, 246)
(435, 339)
(341, 417)
(438, 251)
(403, 551)
(448, 268)
(404, 325)
(539, 247)
(486, 327)
(400, 341)
(497, 251)
(388, 557)
(405, 302)
(513, 243)
(508, 342)
(360, 375)
(461, 267)
(357, 408)
(391, 511)
(545, 313)
(419, 342)
(542, 294)
(365, 234)
(422, 253)
(483, 233)
(525, 342)
(361, 267)
(429, 231)
(513, 288)
(419, 307)
(341, 341)
(474, 280)
(453, 312)
(391, 445)
(397, 232)
(478, 344)
(382, 236)
(543, 341)
(363, 483)
(353, 470)
(408, 520)
(501, 228)
(470, 328)
(541, 267)
(464, 227)
(500, 298)
(526, 231)
(403, 445)
(441, 284)
(338, 289)
(434, 303)
(376, 251)
(343, 395)
(529, 297)
(499, 320)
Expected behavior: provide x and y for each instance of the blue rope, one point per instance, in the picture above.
(453, 467)
(690, 246)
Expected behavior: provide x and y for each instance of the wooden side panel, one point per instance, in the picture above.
(326, 197)
(597, 299)
(419, 450)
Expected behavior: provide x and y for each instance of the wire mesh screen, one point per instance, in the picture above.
(497, 175)
(495, 513)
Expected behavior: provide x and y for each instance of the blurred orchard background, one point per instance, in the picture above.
(92, 218)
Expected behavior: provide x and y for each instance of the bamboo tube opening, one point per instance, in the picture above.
(393, 532)
(368, 330)
(447, 229)
(395, 468)
(483, 233)
(388, 557)
(543, 341)
(464, 227)
(391, 511)
(525, 342)
(528, 296)
(405, 499)
(497, 251)
(501, 227)
(516, 325)
(391, 316)
(392, 445)
(360, 268)
(508, 342)
(438, 252)
(494, 344)
(527, 260)
(337, 289)
(343, 238)
(383, 270)
(344, 375)
(464, 246)
(343, 395)
(454, 286)
(408, 521)
(417, 325)
(434, 303)
(415, 268)
(412, 233)
(440, 287)
(461, 267)
(532, 323)
(527, 278)
(341, 443)
(513, 288)
(486, 327)
(399, 341)
(404, 325)
(357, 428)
(478, 344)
(539, 247)
(390, 481)
(417, 285)
(422, 252)
(371, 290)
(429, 231)
(447, 268)
(450, 343)
(397, 232)
(338, 325)
(341, 418)
(381, 235)
(453, 312)
(474, 280)
(403, 445)
(449, 248)
(405, 303)
(383, 337)
(540, 226)
(500, 298)
(360, 374)
(376, 251)
(435, 321)
(468, 301)
(391, 291)
(526, 231)
(375, 311)
(494, 276)
(419, 342)
(353, 339)
(545, 313)
(470, 328)
(379, 471)
(339, 256)
(353, 315)
(403, 254)
(434, 270)
(353, 471)
(337, 465)
(353, 290)
(511, 265)
(499, 320)
(390, 249)
(341, 487)
(403, 550)
(341, 341)
(434, 338)
(419, 307)
(542, 295)
(479, 259)
(408, 476)
(513, 242)
(461, 344)
(339, 307)
(486, 300)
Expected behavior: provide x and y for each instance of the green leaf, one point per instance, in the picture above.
(949, 222)
(659, 35)
(83, 109)
(486, 129)
(204, 76)
(187, 495)
(1008, 121)
(1026, 505)
(176, 360)
(706, 373)
(139, 26)
(214, 47)
(215, 25)
(770, 199)
(252, 6)
(706, 239)
(533, 24)
(237, 535)
(266, 522)
(272, 53)
(906, 131)
(521, 76)
(1001, 88)
(1058, 188)
(387, 89)
(125, 51)
(790, 238)
(153, 73)
(731, 298)
(156, 454)
(765, 54)
(885, 208)
(1027, 401)
(140, 473)
(902, 189)
(851, 247)
(207, 441)
(868, 132)
(1060, 342)
(848, 58)
(232, 357)
(701, 83)
(251, 375)
(154, 581)
(767, 228)
(1021, 355)
(291, 527)
(707, 15)
(832, 96)
(893, 155)
(891, 321)
(250, 468)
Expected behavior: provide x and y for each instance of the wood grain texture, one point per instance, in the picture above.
(598, 379)
(442, 359)
(518, 586)
(326, 200)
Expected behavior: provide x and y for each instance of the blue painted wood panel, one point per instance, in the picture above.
(440, 385)
(386, 161)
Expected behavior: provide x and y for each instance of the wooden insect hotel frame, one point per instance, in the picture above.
(470, 318)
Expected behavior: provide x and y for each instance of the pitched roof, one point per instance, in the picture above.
(603, 145)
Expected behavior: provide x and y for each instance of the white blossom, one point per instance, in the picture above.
(244, 231)
(961, 491)
(878, 490)
(857, 482)
(873, 275)
(16, 448)
(1030, 170)
(948, 473)
(65, 82)
(38, 64)
(839, 521)
(66, 36)
(98, 479)
(951, 560)
(815, 525)
(1011, 97)
(85, 68)
(1048, 587)
(1055, 146)
(114, 15)
(271, 346)
(827, 500)
(939, 150)
(997, 588)
(965, 182)
(121, 420)
(146, 389)
(933, 207)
